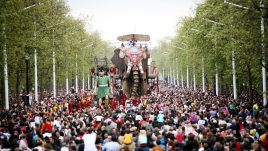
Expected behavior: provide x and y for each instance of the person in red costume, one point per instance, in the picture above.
(78, 106)
(112, 70)
(124, 98)
(70, 107)
(114, 103)
(134, 101)
(47, 127)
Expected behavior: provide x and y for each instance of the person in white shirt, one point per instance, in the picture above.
(152, 117)
(57, 122)
(37, 119)
(23, 145)
(138, 116)
(89, 140)
(99, 118)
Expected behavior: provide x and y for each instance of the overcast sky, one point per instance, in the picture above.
(113, 18)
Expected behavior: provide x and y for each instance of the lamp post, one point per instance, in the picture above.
(263, 58)
(261, 5)
(67, 80)
(177, 73)
(203, 75)
(173, 72)
(217, 79)
(5, 69)
(35, 66)
(88, 81)
(53, 66)
(67, 67)
(27, 78)
(187, 75)
(203, 69)
(194, 78)
(163, 72)
(83, 81)
(216, 66)
(83, 85)
(182, 84)
(5, 54)
(234, 75)
(76, 75)
(170, 73)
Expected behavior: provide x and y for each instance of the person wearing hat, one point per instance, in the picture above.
(103, 87)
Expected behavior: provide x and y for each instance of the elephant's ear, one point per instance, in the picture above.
(115, 57)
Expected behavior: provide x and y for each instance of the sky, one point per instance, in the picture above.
(112, 18)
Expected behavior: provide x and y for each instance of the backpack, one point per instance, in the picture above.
(127, 139)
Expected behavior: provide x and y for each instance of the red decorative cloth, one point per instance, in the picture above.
(112, 70)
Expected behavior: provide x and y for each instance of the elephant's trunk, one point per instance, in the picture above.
(135, 81)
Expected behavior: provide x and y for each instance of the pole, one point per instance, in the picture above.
(67, 80)
(76, 76)
(27, 74)
(83, 84)
(164, 74)
(263, 57)
(182, 85)
(203, 74)
(217, 79)
(54, 68)
(92, 82)
(194, 77)
(35, 76)
(88, 87)
(5, 69)
(35, 67)
(177, 72)
(234, 75)
(173, 72)
(170, 76)
(187, 76)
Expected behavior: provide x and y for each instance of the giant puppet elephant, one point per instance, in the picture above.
(132, 68)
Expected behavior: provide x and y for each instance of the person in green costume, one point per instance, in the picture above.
(103, 87)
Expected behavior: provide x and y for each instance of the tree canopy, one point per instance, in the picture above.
(214, 30)
(47, 26)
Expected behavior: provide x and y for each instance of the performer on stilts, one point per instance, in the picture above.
(103, 87)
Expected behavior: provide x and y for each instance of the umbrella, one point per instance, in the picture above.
(138, 37)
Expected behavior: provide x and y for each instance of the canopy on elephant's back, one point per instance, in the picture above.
(138, 37)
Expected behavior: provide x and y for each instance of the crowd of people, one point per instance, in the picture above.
(172, 120)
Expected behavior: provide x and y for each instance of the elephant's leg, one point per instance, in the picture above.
(126, 88)
(144, 85)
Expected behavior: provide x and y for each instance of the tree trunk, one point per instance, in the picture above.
(18, 72)
(41, 84)
(249, 81)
